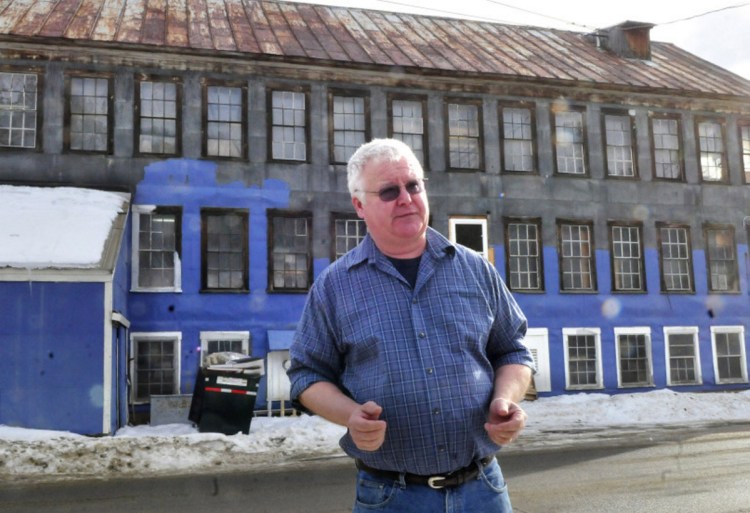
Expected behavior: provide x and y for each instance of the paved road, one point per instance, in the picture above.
(702, 473)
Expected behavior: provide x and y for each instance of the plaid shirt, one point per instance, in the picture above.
(426, 355)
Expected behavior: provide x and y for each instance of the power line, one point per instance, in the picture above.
(737, 6)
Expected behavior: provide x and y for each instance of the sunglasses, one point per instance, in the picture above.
(391, 192)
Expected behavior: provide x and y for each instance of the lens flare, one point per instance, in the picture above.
(611, 308)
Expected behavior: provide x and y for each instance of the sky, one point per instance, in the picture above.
(554, 422)
(716, 30)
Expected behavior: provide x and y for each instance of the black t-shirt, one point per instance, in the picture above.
(408, 267)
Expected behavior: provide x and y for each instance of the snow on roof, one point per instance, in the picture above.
(56, 227)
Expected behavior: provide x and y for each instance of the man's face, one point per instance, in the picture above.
(395, 225)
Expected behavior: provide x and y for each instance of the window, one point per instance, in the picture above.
(730, 364)
(634, 357)
(721, 259)
(290, 251)
(88, 115)
(156, 248)
(348, 230)
(577, 261)
(224, 250)
(224, 341)
(156, 365)
(745, 145)
(711, 151)
(19, 114)
(524, 258)
(583, 362)
(224, 119)
(289, 125)
(518, 138)
(408, 124)
(628, 274)
(665, 134)
(470, 232)
(158, 117)
(464, 135)
(683, 361)
(618, 135)
(676, 260)
(569, 143)
(349, 125)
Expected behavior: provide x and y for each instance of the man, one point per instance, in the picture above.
(416, 346)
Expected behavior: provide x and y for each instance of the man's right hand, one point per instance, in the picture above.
(365, 428)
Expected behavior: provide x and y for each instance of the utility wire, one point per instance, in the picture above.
(737, 6)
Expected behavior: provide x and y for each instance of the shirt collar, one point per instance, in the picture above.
(437, 247)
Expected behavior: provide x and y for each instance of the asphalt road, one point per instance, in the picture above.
(707, 472)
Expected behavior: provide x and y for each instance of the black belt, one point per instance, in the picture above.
(450, 480)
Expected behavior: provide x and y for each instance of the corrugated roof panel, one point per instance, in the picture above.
(364, 37)
(329, 44)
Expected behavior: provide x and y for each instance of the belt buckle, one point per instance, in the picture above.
(431, 482)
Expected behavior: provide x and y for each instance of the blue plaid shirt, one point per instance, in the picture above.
(426, 355)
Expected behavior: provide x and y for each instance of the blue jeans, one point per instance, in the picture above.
(488, 493)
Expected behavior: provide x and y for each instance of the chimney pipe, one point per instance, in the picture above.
(629, 39)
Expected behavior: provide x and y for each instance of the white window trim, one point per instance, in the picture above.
(683, 330)
(135, 246)
(729, 329)
(597, 332)
(635, 330)
(453, 221)
(174, 336)
(208, 336)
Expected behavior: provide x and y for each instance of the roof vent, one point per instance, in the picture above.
(629, 39)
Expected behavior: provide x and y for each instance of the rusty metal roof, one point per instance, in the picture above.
(357, 37)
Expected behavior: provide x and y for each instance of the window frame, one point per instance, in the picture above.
(537, 222)
(680, 146)
(744, 142)
(606, 113)
(346, 93)
(472, 102)
(592, 257)
(137, 211)
(740, 331)
(294, 214)
(394, 97)
(599, 375)
(340, 216)
(67, 136)
(164, 336)
(637, 331)
(682, 330)
(229, 84)
(531, 107)
(721, 122)
(244, 217)
(641, 261)
(297, 89)
(580, 110)
(137, 116)
(207, 337)
(481, 221)
(735, 272)
(39, 107)
(660, 244)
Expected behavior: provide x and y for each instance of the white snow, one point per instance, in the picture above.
(564, 421)
(55, 227)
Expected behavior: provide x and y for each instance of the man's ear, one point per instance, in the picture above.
(358, 206)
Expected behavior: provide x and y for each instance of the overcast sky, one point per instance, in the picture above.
(716, 30)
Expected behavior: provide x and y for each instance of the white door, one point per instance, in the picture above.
(537, 340)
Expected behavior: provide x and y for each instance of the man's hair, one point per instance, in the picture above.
(375, 151)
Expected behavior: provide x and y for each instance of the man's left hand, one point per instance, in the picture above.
(505, 421)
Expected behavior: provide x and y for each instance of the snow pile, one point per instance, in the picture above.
(179, 448)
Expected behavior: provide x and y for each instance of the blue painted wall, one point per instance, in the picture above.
(51, 372)
(653, 309)
(192, 185)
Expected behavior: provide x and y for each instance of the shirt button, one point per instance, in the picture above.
(430, 371)
(422, 334)
(414, 301)
(436, 411)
